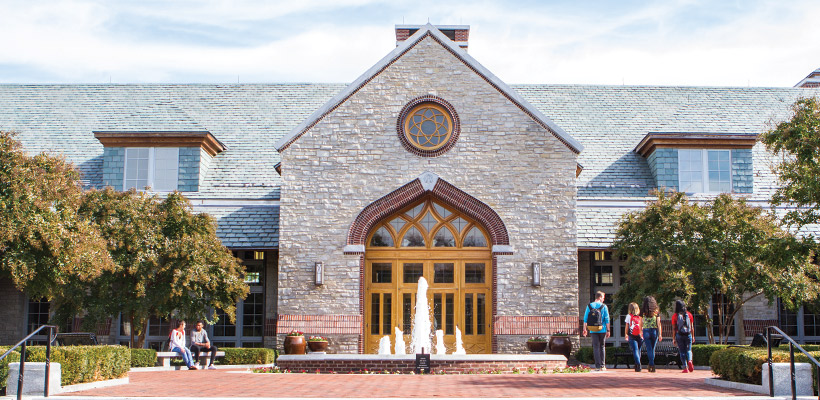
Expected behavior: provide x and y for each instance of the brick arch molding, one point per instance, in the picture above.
(428, 183)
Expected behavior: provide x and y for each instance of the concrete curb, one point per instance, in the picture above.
(94, 385)
(180, 367)
(748, 387)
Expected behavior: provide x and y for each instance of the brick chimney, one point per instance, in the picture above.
(811, 81)
(457, 33)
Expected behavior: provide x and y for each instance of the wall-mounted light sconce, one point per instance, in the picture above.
(320, 273)
(536, 274)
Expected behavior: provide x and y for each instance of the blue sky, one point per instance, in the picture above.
(675, 42)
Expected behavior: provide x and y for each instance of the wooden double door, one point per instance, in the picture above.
(459, 296)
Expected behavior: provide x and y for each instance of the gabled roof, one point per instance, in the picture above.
(400, 50)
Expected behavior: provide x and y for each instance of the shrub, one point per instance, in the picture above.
(584, 355)
(14, 356)
(702, 353)
(243, 356)
(82, 364)
(143, 358)
(740, 364)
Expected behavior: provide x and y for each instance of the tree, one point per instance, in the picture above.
(725, 252)
(169, 262)
(44, 242)
(797, 142)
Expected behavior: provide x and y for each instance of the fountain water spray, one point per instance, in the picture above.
(440, 349)
(384, 345)
(400, 345)
(420, 338)
(459, 343)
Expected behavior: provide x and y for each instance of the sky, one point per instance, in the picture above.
(617, 42)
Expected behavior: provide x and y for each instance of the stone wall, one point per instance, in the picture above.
(12, 314)
(353, 157)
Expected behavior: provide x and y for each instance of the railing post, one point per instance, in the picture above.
(771, 369)
(791, 358)
(48, 362)
(22, 369)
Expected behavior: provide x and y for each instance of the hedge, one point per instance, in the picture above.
(701, 354)
(81, 364)
(746, 364)
(14, 356)
(244, 356)
(143, 358)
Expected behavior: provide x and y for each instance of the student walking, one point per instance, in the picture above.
(683, 327)
(633, 330)
(596, 319)
(652, 332)
(177, 341)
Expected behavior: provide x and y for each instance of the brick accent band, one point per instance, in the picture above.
(406, 365)
(754, 326)
(413, 191)
(320, 324)
(535, 325)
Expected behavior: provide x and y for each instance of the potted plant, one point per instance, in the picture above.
(317, 344)
(295, 342)
(560, 344)
(536, 344)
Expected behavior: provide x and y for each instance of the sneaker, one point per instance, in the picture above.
(211, 367)
(651, 368)
(691, 367)
(192, 367)
(685, 370)
(603, 369)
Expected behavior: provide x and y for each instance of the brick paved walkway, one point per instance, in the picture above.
(224, 383)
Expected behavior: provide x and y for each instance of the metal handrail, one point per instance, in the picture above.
(792, 345)
(22, 344)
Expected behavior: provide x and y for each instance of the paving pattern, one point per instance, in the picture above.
(233, 383)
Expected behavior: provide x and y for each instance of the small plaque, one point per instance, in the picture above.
(422, 363)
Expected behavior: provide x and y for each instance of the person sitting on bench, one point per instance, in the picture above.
(177, 341)
(201, 343)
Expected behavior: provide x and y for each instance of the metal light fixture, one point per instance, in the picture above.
(536, 274)
(320, 273)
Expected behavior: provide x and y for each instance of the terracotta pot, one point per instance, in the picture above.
(561, 345)
(536, 347)
(294, 345)
(317, 346)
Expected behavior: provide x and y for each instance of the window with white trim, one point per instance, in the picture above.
(154, 167)
(705, 171)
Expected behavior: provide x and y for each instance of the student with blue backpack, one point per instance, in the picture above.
(684, 327)
(596, 319)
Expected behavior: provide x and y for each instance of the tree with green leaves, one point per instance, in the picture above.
(44, 242)
(723, 252)
(168, 262)
(796, 142)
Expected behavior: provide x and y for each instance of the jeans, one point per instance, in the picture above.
(684, 347)
(196, 350)
(635, 343)
(650, 340)
(186, 355)
(598, 348)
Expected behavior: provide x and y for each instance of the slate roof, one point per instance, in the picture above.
(249, 119)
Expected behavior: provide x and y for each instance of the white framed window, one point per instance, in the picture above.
(154, 167)
(705, 171)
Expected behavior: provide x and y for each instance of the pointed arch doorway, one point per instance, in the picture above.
(452, 251)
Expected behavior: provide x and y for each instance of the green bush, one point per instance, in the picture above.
(584, 355)
(14, 356)
(243, 356)
(81, 364)
(702, 353)
(744, 364)
(143, 358)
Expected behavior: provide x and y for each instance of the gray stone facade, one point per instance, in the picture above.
(13, 313)
(353, 157)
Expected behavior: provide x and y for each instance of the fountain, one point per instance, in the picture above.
(420, 338)
(440, 349)
(384, 345)
(400, 345)
(459, 344)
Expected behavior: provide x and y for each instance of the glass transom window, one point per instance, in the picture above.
(705, 171)
(428, 126)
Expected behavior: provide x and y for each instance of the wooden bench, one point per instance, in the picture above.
(623, 355)
(165, 356)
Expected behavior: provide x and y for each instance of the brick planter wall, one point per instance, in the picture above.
(449, 363)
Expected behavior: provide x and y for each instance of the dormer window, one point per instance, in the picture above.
(705, 171)
(154, 167)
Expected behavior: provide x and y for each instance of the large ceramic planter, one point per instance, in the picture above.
(560, 345)
(294, 345)
(536, 347)
(317, 346)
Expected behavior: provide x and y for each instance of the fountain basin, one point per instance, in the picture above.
(449, 363)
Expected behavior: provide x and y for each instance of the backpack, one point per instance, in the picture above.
(683, 324)
(595, 319)
(635, 326)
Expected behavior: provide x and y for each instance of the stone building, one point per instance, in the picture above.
(338, 198)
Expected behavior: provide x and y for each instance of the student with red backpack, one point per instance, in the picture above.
(633, 330)
(684, 327)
